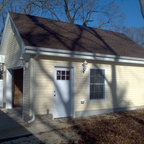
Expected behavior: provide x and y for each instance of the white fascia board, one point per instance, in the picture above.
(17, 33)
(8, 20)
(82, 55)
(2, 58)
(4, 31)
(14, 67)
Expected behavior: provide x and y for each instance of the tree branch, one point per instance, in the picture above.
(142, 7)
(67, 11)
(49, 8)
(3, 4)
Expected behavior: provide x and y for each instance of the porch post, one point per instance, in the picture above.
(2, 59)
(8, 89)
(1, 93)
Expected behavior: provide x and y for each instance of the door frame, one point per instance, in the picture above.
(9, 87)
(72, 88)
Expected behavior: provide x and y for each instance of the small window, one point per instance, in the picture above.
(97, 84)
(67, 75)
(63, 75)
(58, 75)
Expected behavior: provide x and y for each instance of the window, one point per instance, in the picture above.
(1, 71)
(97, 84)
(63, 75)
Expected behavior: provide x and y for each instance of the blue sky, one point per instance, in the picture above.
(131, 9)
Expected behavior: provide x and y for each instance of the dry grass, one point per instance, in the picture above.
(115, 128)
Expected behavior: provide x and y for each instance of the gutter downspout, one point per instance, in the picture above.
(34, 88)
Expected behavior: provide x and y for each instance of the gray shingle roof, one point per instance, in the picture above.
(46, 33)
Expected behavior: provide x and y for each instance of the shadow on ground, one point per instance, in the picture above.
(11, 127)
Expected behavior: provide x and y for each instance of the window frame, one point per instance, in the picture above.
(103, 99)
(61, 75)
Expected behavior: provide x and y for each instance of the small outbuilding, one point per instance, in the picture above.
(67, 70)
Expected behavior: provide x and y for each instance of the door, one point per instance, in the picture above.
(63, 95)
(17, 87)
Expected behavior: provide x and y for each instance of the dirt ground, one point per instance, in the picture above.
(114, 128)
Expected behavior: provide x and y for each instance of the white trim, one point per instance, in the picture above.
(8, 89)
(10, 21)
(15, 67)
(1, 92)
(34, 89)
(103, 99)
(73, 90)
(23, 92)
(82, 55)
(2, 58)
(4, 31)
(18, 34)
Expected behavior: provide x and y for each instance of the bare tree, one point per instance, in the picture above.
(19, 6)
(142, 7)
(136, 34)
(94, 13)
(3, 3)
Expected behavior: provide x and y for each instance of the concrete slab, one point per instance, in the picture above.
(12, 126)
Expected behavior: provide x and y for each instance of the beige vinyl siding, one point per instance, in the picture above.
(124, 84)
(11, 47)
(6, 36)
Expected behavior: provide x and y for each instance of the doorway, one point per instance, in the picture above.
(17, 100)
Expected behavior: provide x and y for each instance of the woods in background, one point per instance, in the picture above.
(103, 14)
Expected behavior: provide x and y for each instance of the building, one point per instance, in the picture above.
(68, 70)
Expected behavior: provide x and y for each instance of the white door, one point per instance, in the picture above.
(1, 92)
(63, 95)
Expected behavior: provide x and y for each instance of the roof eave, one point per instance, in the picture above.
(3, 34)
(82, 55)
(18, 34)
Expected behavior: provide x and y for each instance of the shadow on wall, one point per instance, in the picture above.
(75, 42)
(115, 93)
(116, 100)
(118, 93)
